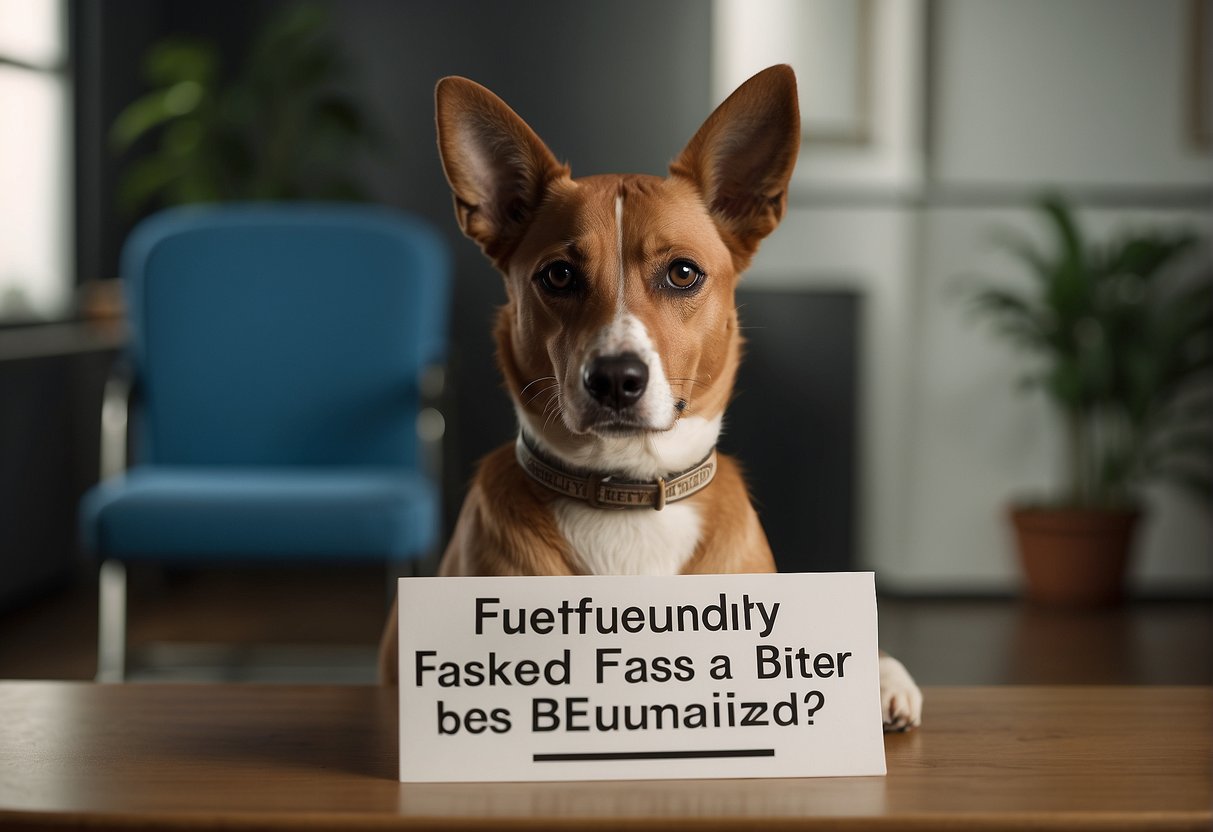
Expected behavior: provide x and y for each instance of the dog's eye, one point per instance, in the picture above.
(558, 277)
(683, 274)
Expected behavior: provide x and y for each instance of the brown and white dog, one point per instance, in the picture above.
(619, 344)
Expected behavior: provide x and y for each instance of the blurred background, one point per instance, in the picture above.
(991, 288)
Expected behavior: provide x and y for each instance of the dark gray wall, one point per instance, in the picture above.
(611, 85)
(614, 86)
(108, 41)
(793, 422)
(50, 410)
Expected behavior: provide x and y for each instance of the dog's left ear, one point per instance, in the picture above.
(742, 158)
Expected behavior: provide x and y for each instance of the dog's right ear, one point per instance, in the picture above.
(497, 167)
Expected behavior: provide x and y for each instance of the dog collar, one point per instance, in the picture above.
(606, 491)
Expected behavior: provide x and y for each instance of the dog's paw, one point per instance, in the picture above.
(900, 698)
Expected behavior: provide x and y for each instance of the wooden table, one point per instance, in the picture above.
(276, 757)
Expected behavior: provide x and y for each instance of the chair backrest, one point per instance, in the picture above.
(269, 334)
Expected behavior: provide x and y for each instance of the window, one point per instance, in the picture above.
(35, 166)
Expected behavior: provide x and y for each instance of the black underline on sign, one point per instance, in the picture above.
(595, 756)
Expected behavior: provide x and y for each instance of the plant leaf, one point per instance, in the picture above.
(1068, 235)
(1023, 249)
(174, 60)
(139, 118)
(144, 180)
(1198, 484)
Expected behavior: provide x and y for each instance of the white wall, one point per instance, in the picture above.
(1024, 94)
(753, 34)
(1084, 92)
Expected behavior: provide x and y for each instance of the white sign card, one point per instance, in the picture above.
(622, 678)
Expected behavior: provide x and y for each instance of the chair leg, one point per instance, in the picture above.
(111, 622)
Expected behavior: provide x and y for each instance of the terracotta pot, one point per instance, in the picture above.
(1075, 557)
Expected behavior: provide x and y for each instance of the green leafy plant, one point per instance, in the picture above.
(1122, 338)
(280, 129)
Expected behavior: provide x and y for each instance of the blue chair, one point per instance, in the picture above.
(280, 362)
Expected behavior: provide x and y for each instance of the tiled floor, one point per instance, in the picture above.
(943, 642)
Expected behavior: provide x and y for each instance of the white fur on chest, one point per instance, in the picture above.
(631, 541)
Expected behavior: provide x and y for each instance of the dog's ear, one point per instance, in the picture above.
(497, 167)
(742, 158)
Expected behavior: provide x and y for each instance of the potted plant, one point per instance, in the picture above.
(1121, 343)
(280, 128)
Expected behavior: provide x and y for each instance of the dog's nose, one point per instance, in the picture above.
(616, 381)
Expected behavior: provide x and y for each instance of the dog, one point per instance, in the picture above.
(619, 344)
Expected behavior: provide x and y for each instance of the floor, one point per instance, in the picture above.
(212, 618)
(337, 615)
